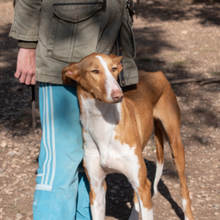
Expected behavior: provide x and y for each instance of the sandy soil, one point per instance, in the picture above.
(180, 38)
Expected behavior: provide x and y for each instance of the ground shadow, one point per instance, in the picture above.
(119, 196)
(175, 10)
(15, 98)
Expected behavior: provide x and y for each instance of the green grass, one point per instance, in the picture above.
(178, 62)
(208, 50)
(173, 54)
(153, 148)
(215, 73)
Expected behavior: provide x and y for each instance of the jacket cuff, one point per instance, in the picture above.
(27, 44)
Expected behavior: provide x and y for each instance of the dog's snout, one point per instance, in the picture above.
(117, 95)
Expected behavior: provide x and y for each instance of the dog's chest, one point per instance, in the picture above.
(99, 121)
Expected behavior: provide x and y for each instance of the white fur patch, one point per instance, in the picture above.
(184, 202)
(98, 210)
(145, 213)
(97, 176)
(158, 175)
(110, 83)
(122, 158)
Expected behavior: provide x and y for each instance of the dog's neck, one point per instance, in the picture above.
(94, 110)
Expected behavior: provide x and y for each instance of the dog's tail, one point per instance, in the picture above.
(159, 134)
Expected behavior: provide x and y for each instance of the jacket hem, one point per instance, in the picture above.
(131, 81)
(27, 44)
(52, 80)
(23, 37)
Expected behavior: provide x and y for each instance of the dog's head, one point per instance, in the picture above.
(97, 74)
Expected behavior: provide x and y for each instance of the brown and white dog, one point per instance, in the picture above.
(116, 129)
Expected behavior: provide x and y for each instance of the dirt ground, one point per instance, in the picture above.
(180, 38)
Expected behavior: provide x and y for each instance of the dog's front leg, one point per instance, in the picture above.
(144, 193)
(98, 187)
(144, 196)
(136, 208)
(96, 177)
(97, 198)
(141, 185)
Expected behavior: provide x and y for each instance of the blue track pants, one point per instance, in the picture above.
(61, 192)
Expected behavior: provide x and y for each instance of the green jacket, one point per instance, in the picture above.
(68, 30)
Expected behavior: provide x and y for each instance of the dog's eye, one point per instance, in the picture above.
(114, 69)
(95, 71)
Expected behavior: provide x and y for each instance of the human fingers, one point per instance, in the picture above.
(33, 80)
(25, 66)
(23, 77)
(17, 73)
(28, 79)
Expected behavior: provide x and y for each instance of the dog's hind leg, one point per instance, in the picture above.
(160, 153)
(167, 111)
(179, 159)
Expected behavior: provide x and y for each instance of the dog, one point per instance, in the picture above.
(116, 128)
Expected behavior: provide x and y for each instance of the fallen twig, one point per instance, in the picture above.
(201, 80)
(210, 80)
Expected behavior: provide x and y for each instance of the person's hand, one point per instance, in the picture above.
(25, 71)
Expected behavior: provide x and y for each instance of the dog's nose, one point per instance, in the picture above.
(117, 95)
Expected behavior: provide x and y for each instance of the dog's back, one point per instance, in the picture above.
(146, 104)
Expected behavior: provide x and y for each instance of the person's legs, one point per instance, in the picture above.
(60, 155)
(83, 206)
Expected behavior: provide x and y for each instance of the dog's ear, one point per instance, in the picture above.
(117, 61)
(71, 73)
(112, 55)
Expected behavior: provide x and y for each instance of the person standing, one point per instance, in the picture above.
(51, 34)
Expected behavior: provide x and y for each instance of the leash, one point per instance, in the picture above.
(33, 106)
(121, 75)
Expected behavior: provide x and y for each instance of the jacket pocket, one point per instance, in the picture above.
(74, 29)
